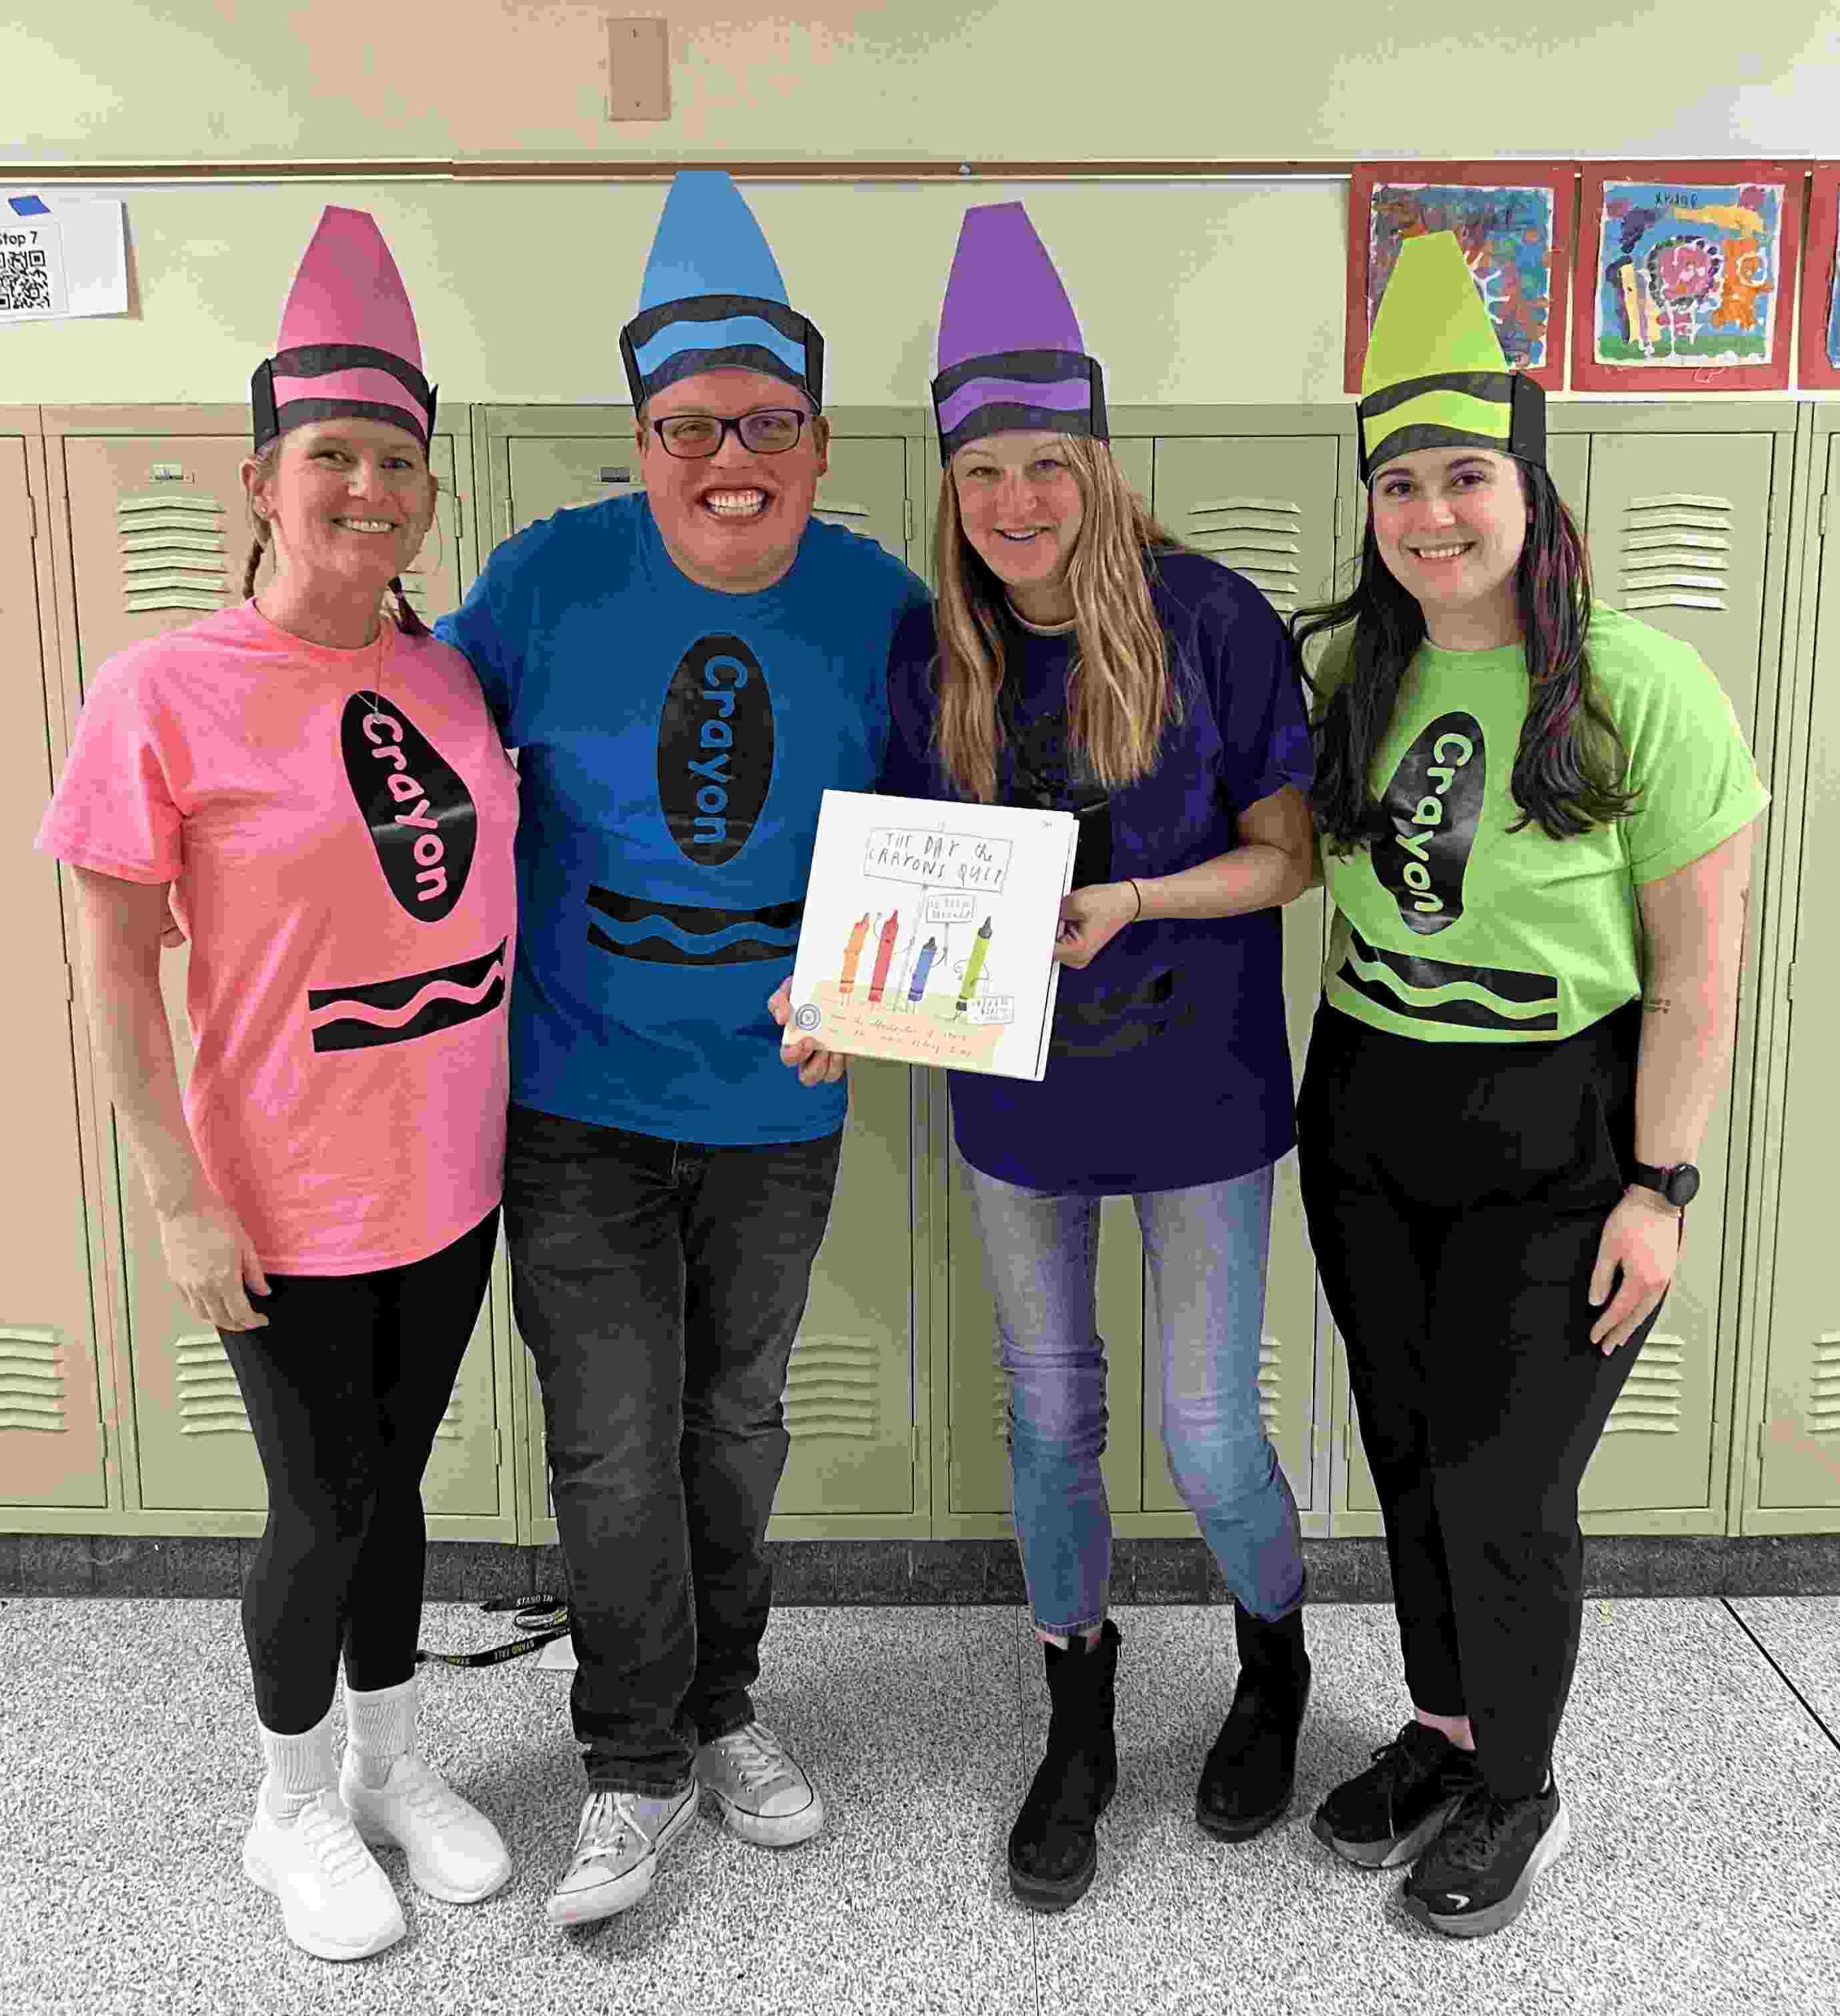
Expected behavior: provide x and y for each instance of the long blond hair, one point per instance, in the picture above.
(1121, 692)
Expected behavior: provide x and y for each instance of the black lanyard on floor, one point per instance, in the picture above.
(540, 1619)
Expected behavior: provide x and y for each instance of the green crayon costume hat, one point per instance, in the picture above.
(1435, 376)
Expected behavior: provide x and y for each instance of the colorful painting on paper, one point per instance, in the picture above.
(1834, 318)
(1506, 232)
(1688, 277)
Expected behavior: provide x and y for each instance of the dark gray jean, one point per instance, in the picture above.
(658, 1285)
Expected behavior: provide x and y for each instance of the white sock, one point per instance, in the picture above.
(300, 1768)
(381, 1725)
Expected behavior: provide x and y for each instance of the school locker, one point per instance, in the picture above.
(158, 535)
(851, 1397)
(51, 1441)
(1793, 1459)
(1685, 514)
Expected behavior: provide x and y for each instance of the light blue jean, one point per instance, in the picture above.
(1206, 1250)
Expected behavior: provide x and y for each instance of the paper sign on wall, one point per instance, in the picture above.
(928, 931)
(61, 256)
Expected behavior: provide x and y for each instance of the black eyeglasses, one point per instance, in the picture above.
(692, 437)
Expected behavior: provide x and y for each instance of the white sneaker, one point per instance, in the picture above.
(765, 1797)
(455, 1852)
(617, 1847)
(336, 1902)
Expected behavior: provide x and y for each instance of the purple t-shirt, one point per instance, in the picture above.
(1168, 1065)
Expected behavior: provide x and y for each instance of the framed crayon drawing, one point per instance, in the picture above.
(1513, 220)
(1818, 367)
(1686, 275)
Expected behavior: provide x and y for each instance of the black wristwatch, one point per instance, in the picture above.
(1679, 1184)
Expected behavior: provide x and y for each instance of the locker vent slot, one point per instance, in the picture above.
(621, 482)
(1270, 1395)
(1260, 537)
(453, 1423)
(831, 1389)
(1823, 1399)
(208, 1401)
(31, 1381)
(174, 552)
(1676, 552)
(837, 512)
(1649, 1403)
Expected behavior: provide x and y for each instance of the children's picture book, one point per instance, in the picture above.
(928, 931)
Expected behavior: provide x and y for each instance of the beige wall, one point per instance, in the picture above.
(1024, 79)
(1189, 290)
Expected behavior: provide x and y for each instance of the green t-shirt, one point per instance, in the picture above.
(1458, 931)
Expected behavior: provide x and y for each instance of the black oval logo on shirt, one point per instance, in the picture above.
(1434, 804)
(420, 816)
(714, 750)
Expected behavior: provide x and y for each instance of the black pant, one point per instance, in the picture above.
(658, 1285)
(1456, 1194)
(344, 1389)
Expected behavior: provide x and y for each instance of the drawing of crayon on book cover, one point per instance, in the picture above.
(925, 975)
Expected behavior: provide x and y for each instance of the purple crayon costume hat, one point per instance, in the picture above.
(1010, 356)
(348, 347)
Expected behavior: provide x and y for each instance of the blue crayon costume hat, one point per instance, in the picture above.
(713, 298)
(1010, 355)
(1436, 376)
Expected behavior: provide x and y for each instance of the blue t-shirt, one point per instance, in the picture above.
(1168, 1065)
(675, 743)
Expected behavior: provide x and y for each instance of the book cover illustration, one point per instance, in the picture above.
(928, 931)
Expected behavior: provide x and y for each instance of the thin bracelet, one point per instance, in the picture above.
(1138, 893)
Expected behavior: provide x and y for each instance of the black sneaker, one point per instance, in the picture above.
(1477, 1875)
(1386, 1816)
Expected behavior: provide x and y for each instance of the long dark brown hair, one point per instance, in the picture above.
(1570, 768)
(1121, 693)
(402, 614)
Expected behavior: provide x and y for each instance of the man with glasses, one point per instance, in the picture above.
(684, 672)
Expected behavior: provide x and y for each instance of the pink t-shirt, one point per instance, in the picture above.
(337, 828)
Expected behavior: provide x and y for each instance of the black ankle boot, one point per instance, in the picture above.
(1052, 1852)
(1247, 1781)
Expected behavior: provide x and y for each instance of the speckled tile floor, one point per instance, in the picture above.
(1703, 1875)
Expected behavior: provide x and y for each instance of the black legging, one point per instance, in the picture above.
(344, 1388)
(1456, 1194)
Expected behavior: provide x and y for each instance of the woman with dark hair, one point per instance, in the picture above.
(1080, 661)
(1534, 815)
(318, 783)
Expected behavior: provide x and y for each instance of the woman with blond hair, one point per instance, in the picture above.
(1081, 661)
(320, 787)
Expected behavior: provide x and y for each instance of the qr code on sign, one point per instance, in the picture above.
(25, 280)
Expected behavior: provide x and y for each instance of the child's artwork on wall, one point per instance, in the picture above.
(1818, 365)
(1513, 220)
(1686, 276)
(928, 931)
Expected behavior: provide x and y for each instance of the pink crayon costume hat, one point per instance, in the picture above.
(348, 347)
(1010, 356)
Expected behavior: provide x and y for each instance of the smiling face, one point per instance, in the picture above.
(1019, 503)
(733, 521)
(1450, 524)
(348, 502)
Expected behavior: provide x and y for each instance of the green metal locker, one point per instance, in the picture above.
(52, 1449)
(157, 535)
(1792, 1466)
(1686, 516)
(856, 1403)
